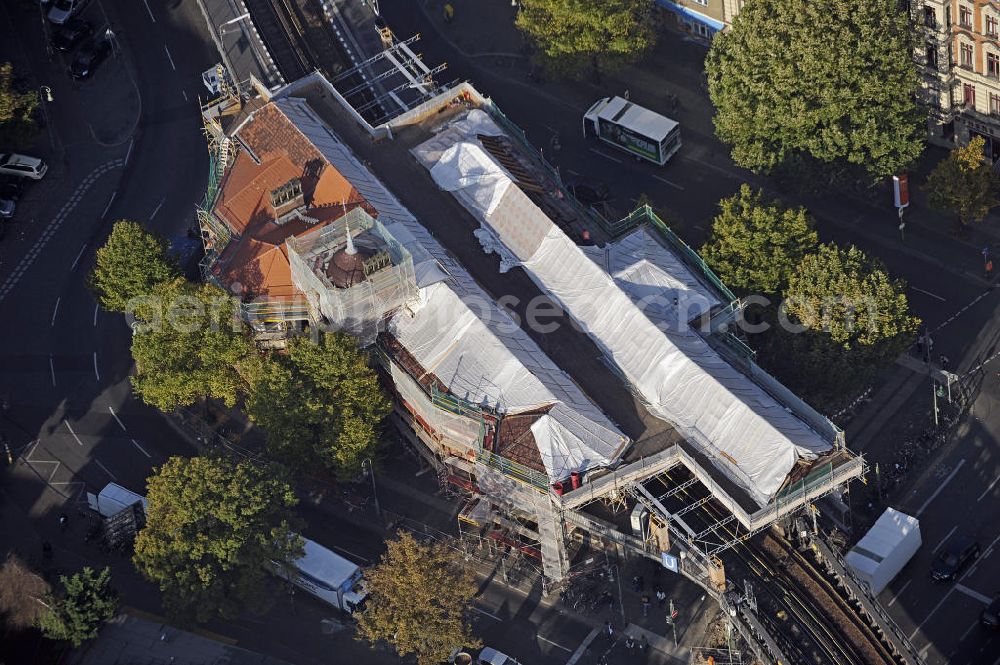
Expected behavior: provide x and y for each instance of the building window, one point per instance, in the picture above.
(966, 56)
(969, 95)
(702, 30)
(930, 17)
(932, 56)
(991, 26)
(993, 65)
(965, 17)
(994, 104)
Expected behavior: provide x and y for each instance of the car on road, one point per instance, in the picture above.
(955, 556)
(69, 35)
(23, 166)
(490, 656)
(990, 618)
(7, 208)
(62, 10)
(93, 52)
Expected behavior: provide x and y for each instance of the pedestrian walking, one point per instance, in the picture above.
(630, 645)
(643, 643)
(944, 361)
(63, 521)
(626, 93)
(609, 629)
(645, 605)
(636, 583)
(609, 600)
(661, 598)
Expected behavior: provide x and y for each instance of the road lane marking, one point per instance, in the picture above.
(972, 593)
(947, 536)
(151, 17)
(97, 308)
(105, 469)
(117, 419)
(70, 427)
(672, 184)
(129, 152)
(492, 616)
(940, 487)
(926, 618)
(928, 293)
(158, 206)
(351, 554)
(108, 207)
(583, 646)
(77, 259)
(55, 310)
(169, 58)
(968, 630)
(899, 593)
(52, 370)
(558, 646)
(96, 373)
(184, 92)
(988, 489)
(141, 449)
(598, 152)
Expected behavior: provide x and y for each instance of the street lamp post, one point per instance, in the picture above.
(231, 21)
(371, 474)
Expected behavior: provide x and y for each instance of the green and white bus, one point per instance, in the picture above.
(632, 128)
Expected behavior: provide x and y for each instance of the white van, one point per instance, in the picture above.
(24, 166)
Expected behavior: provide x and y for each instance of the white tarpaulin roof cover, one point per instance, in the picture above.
(461, 335)
(750, 436)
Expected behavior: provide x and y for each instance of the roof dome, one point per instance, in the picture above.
(347, 268)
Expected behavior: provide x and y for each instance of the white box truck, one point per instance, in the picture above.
(884, 550)
(329, 577)
(113, 499)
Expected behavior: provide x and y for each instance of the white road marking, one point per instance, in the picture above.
(899, 593)
(96, 373)
(52, 370)
(129, 152)
(558, 646)
(672, 184)
(105, 469)
(598, 152)
(989, 488)
(968, 630)
(947, 536)
(489, 614)
(928, 293)
(351, 554)
(97, 308)
(572, 172)
(972, 593)
(926, 618)
(70, 428)
(184, 92)
(108, 207)
(151, 17)
(117, 419)
(583, 647)
(55, 310)
(77, 259)
(141, 449)
(169, 58)
(939, 488)
(158, 206)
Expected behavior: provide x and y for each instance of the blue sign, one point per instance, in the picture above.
(670, 562)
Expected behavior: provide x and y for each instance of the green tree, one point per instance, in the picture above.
(419, 601)
(850, 297)
(963, 184)
(320, 404)
(79, 612)
(191, 344)
(580, 37)
(830, 83)
(213, 529)
(23, 595)
(755, 245)
(17, 109)
(131, 262)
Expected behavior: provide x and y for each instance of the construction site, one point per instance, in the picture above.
(632, 421)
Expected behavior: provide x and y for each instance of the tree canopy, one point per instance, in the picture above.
(963, 183)
(17, 109)
(78, 613)
(580, 37)
(130, 264)
(22, 594)
(213, 528)
(755, 245)
(191, 344)
(851, 298)
(419, 601)
(320, 403)
(830, 82)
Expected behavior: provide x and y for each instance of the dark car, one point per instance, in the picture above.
(91, 54)
(70, 34)
(990, 617)
(958, 553)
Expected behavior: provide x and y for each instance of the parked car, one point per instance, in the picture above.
(490, 656)
(62, 10)
(7, 208)
(91, 54)
(990, 618)
(23, 166)
(67, 36)
(957, 553)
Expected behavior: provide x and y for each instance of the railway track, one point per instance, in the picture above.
(276, 26)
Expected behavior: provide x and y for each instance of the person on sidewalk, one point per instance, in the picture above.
(661, 598)
(609, 630)
(645, 605)
(643, 643)
(630, 645)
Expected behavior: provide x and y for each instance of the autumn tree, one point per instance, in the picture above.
(320, 403)
(829, 84)
(213, 529)
(131, 263)
(755, 244)
(191, 344)
(580, 37)
(17, 109)
(23, 594)
(77, 614)
(963, 184)
(419, 601)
